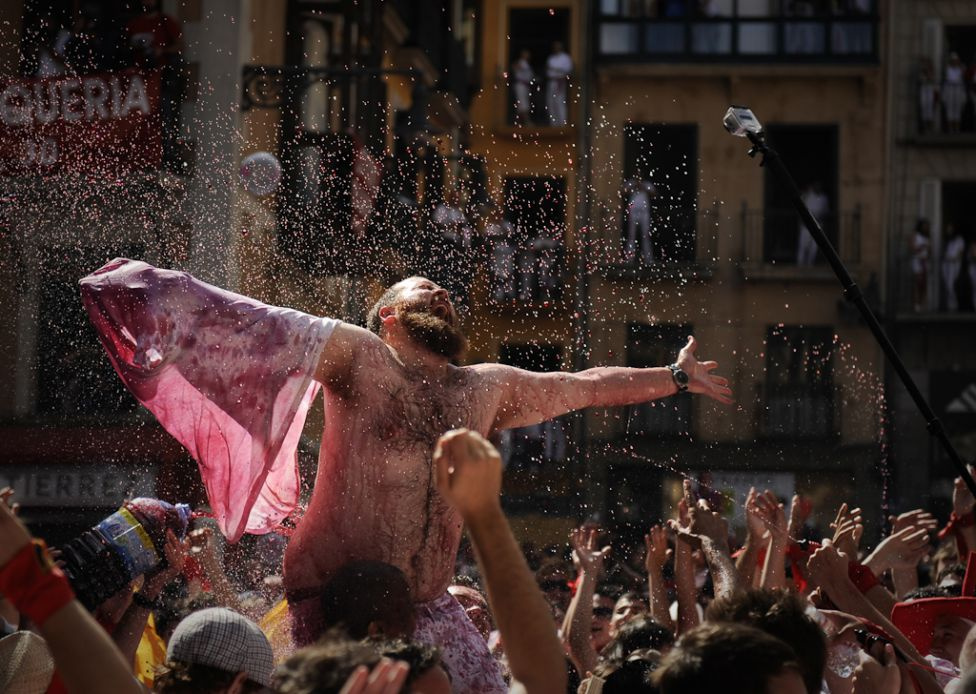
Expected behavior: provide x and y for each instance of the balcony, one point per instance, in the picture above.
(528, 274)
(918, 292)
(797, 411)
(684, 244)
(771, 244)
(678, 32)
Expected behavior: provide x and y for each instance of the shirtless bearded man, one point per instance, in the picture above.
(390, 392)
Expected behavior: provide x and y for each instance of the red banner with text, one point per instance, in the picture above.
(105, 124)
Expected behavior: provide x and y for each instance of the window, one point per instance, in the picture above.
(74, 375)
(785, 240)
(538, 80)
(736, 30)
(659, 193)
(798, 394)
(956, 253)
(539, 443)
(535, 212)
(657, 345)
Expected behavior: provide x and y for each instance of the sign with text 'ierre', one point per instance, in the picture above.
(102, 124)
(72, 486)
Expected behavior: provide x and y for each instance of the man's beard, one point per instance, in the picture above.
(436, 334)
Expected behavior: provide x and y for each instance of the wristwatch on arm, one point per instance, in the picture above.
(680, 378)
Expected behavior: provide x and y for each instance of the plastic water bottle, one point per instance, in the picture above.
(102, 561)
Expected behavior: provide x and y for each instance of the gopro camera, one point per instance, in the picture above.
(740, 121)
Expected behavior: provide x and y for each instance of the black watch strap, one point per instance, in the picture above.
(680, 377)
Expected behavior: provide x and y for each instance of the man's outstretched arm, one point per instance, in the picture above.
(528, 398)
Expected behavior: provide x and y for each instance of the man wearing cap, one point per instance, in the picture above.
(216, 651)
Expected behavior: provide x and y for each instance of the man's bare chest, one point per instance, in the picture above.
(414, 413)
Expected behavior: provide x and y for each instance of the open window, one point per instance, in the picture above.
(812, 153)
(659, 193)
(538, 95)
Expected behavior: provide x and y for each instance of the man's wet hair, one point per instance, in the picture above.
(324, 667)
(724, 657)
(421, 657)
(641, 633)
(388, 298)
(782, 614)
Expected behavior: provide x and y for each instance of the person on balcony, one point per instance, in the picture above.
(928, 95)
(819, 205)
(952, 256)
(559, 67)
(522, 78)
(954, 92)
(921, 248)
(640, 196)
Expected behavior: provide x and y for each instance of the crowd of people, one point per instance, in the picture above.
(772, 611)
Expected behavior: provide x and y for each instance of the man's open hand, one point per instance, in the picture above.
(468, 472)
(700, 376)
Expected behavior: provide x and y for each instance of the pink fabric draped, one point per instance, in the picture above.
(229, 377)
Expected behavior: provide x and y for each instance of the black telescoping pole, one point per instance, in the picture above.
(853, 294)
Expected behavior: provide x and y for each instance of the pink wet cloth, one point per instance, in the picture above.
(442, 622)
(229, 377)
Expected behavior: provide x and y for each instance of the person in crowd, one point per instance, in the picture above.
(391, 389)
(522, 78)
(921, 249)
(559, 66)
(641, 196)
(952, 256)
(730, 658)
(216, 651)
(928, 96)
(369, 598)
(818, 203)
(954, 92)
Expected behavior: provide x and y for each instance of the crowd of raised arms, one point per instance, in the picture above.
(693, 610)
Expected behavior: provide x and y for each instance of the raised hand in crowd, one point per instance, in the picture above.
(468, 471)
(656, 555)
(709, 531)
(202, 548)
(131, 625)
(578, 624)
(684, 565)
(773, 516)
(85, 658)
(963, 521)
(874, 676)
(848, 528)
(757, 537)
